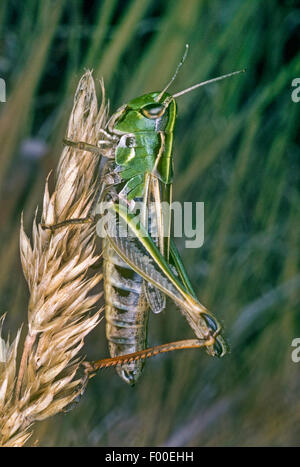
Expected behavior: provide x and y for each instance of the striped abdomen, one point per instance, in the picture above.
(126, 311)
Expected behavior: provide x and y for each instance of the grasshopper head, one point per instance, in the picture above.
(148, 113)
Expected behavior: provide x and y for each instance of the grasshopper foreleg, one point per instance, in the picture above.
(96, 149)
(82, 145)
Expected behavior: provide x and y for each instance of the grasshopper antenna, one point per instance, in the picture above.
(176, 72)
(207, 82)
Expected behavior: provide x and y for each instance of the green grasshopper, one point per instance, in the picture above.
(142, 268)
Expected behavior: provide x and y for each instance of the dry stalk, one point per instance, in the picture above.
(55, 267)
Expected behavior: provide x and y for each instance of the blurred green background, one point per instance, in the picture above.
(236, 149)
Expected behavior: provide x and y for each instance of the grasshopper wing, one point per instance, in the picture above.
(142, 255)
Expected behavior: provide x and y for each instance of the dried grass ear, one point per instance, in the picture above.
(49, 377)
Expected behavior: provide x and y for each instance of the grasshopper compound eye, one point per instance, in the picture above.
(153, 110)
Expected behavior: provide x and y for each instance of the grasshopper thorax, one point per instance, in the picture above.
(144, 132)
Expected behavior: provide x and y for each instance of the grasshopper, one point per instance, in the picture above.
(142, 268)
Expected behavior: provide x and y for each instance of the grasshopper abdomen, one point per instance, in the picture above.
(126, 312)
